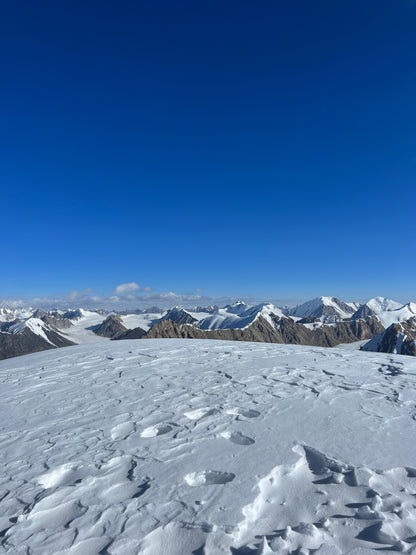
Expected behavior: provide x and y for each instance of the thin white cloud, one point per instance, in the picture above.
(124, 288)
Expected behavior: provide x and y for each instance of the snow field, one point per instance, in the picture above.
(182, 446)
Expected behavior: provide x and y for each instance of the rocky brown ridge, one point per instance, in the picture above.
(112, 327)
(398, 338)
(136, 333)
(286, 331)
(53, 319)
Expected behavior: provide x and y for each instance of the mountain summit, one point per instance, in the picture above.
(324, 308)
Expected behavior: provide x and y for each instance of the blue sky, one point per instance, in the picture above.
(208, 148)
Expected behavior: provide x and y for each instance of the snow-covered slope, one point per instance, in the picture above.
(239, 316)
(176, 447)
(401, 314)
(82, 330)
(144, 321)
(381, 304)
(324, 307)
(375, 306)
(35, 325)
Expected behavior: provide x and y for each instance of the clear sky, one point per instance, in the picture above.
(208, 148)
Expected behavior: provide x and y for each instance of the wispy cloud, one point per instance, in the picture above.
(124, 288)
(127, 288)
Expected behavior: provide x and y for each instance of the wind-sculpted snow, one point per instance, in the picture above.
(176, 447)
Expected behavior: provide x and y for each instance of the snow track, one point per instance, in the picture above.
(207, 447)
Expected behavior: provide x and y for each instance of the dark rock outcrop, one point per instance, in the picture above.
(136, 333)
(72, 314)
(309, 320)
(179, 315)
(363, 312)
(398, 338)
(112, 327)
(347, 332)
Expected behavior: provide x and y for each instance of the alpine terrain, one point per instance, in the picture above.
(380, 324)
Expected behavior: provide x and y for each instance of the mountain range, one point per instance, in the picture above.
(380, 324)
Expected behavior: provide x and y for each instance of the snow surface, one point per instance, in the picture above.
(354, 346)
(176, 447)
(81, 330)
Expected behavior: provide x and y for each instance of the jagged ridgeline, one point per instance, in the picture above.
(380, 324)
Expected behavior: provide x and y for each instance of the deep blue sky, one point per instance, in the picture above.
(259, 148)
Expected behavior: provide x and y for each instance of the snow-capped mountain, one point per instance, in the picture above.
(29, 336)
(325, 308)
(111, 327)
(325, 321)
(179, 447)
(239, 316)
(179, 315)
(381, 304)
(375, 306)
